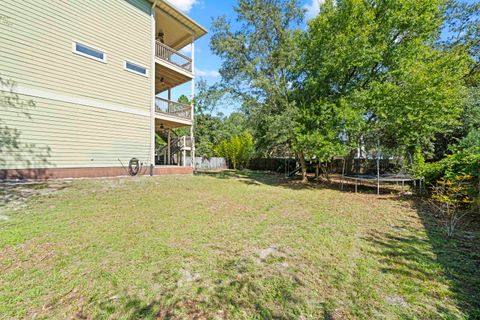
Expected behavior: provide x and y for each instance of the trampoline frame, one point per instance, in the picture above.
(384, 178)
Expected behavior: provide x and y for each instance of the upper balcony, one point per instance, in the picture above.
(173, 57)
(175, 34)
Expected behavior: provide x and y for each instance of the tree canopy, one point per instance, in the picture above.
(257, 54)
(362, 69)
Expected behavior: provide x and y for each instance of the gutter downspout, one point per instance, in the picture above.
(192, 136)
(152, 84)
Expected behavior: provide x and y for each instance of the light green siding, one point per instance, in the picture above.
(85, 113)
(57, 134)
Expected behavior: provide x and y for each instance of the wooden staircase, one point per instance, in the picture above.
(178, 146)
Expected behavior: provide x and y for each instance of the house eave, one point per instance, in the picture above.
(197, 29)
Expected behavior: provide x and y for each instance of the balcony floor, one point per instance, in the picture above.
(167, 77)
(166, 121)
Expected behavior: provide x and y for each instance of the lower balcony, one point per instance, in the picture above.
(173, 111)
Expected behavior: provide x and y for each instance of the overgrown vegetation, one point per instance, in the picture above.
(403, 74)
(244, 246)
(237, 150)
(452, 198)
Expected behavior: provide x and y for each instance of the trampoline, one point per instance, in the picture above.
(376, 175)
(387, 177)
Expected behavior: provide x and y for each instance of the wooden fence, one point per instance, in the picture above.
(272, 164)
(213, 163)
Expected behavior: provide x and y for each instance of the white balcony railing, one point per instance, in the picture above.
(173, 108)
(172, 56)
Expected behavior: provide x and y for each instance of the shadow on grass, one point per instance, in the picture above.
(455, 262)
(264, 178)
(238, 290)
(406, 253)
(15, 194)
(237, 295)
(250, 177)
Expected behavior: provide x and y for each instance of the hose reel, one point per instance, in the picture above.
(133, 167)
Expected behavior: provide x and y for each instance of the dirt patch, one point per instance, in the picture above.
(264, 253)
(15, 194)
(187, 277)
(273, 254)
(28, 254)
(396, 300)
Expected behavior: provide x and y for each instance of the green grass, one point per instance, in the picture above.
(236, 246)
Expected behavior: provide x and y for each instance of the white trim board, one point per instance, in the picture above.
(69, 98)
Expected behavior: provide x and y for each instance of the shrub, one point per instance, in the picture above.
(470, 142)
(452, 198)
(463, 162)
(455, 180)
(237, 150)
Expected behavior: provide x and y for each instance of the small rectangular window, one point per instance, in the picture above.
(135, 68)
(89, 52)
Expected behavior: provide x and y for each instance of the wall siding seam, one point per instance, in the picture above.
(120, 85)
(90, 102)
(72, 119)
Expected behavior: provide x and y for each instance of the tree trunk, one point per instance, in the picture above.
(325, 171)
(303, 166)
(317, 172)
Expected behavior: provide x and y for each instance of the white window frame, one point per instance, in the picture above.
(134, 71)
(74, 50)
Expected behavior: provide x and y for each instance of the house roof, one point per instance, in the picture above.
(181, 17)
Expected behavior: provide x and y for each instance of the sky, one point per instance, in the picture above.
(206, 63)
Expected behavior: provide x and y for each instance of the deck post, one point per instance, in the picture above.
(378, 166)
(168, 148)
(152, 86)
(183, 150)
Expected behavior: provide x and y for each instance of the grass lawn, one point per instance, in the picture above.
(231, 246)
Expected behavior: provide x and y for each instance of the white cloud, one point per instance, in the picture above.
(312, 8)
(184, 5)
(186, 50)
(207, 73)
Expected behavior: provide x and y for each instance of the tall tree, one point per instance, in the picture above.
(206, 124)
(462, 28)
(257, 52)
(184, 99)
(211, 128)
(370, 68)
(462, 34)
